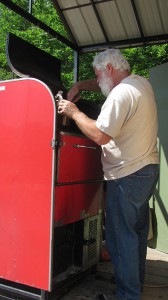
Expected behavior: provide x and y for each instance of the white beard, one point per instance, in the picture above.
(106, 84)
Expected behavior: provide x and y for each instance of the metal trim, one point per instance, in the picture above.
(18, 291)
(129, 43)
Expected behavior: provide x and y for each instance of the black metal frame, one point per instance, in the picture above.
(11, 292)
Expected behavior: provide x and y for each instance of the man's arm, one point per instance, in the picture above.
(85, 124)
(85, 85)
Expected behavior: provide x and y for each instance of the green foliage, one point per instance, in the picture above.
(141, 59)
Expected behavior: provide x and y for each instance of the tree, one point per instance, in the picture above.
(142, 59)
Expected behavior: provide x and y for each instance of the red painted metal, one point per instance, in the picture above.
(41, 183)
(26, 162)
(79, 159)
(77, 201)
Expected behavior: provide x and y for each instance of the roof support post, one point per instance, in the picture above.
(30, 6)
(76, 66)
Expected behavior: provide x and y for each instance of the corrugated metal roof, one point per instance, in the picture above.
(98, 24)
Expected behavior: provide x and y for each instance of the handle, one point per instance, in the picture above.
(82, 146)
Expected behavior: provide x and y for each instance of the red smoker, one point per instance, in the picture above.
(50, 181)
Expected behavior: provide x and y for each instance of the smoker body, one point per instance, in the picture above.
(51, 194)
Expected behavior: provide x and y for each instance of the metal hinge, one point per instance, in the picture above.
(54, 143)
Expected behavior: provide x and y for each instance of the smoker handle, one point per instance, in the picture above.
(87, 147)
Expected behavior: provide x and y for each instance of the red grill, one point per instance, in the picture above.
(50, 180)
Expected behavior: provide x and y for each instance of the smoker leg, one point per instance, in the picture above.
(8, 292)
(44, 295)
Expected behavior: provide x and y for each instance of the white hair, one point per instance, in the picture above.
(112, 56)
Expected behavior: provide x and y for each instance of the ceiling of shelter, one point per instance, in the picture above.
(99, 24)
(95, 25)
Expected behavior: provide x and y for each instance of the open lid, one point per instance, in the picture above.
(26, 60)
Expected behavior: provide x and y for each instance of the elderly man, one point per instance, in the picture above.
(126, 129)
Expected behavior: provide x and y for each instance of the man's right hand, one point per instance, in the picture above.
(73, 94)
(83, 85)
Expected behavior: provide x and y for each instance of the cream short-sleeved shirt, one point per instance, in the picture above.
(129, 116)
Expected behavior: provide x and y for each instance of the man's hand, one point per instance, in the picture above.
(84, 85)
(73, 94)
(85, 124)
(67, 108)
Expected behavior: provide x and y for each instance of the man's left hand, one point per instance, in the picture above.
(67, 108)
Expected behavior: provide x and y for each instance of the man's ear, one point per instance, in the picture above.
(109, 69)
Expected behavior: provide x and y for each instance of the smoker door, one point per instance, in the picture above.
(79, 159)
(27, 118)
(78, 190)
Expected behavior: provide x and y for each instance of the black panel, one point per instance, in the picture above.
(25, 59)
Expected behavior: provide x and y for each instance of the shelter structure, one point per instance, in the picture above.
(95, 25)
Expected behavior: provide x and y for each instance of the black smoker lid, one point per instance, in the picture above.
(26, 60)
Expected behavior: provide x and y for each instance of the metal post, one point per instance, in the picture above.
(44, 295)
(30, 6)
(76, 66)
